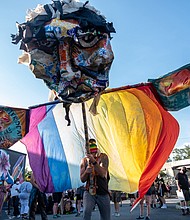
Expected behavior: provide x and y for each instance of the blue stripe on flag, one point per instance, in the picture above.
(54, 152)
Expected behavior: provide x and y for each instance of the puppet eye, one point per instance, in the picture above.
(89, 38)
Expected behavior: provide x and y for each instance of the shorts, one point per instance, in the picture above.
(131, 195)
(79, 197)
(186, 194)
(116, 196)
(57, 197)
(149, 192)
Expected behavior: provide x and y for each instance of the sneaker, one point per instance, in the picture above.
(117, 214)
(140, 217)
(54, 216)
(58, 215)
(164, 206)
(18, 216)
(78, 214)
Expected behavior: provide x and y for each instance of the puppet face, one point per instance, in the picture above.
(70, 52)
(77, 65)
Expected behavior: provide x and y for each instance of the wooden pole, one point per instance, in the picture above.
(85, 128)
(92, 187)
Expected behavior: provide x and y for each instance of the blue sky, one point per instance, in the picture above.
(152, 39)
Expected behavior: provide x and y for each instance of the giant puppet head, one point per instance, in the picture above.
(67, 44)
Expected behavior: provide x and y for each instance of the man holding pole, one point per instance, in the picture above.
(94, 171)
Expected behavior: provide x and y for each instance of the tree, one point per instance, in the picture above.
(169, 160)
(27, 173)
(181, 153)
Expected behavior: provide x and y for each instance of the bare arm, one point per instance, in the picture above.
(84, 170)
(100, 168)
(178, 187)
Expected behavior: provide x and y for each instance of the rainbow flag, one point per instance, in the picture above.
(131, 127)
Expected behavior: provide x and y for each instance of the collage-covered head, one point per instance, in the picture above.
(67, 44)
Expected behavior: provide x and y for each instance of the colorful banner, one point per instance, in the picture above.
(131, 127)
(13, 125)
(174, 88)
(12, 165)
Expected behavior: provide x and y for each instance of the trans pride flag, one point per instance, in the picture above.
(52, 156)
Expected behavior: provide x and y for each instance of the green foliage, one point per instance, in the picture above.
(182, 153)
(162, 174)
(169, 160)
(27, 173)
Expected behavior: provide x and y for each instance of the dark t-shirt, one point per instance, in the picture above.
(182, 181)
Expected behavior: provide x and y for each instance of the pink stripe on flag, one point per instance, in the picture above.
(36, 153)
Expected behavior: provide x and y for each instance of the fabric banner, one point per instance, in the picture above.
(174, 88)
(13, 125)
(53, 155)
(12, 165)
(131, 127)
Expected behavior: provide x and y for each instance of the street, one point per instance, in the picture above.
(171, 213)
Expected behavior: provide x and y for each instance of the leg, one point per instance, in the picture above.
(42, 205)
(88, 205)
(55, 209)
(78, 206)
(141, 206)
(148, 202)
(103, 203)
(16, 205)
(25, 208)
(33, 203)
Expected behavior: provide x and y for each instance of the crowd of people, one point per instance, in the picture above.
(27, 200)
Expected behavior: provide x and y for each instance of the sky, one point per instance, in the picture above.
(151, 40)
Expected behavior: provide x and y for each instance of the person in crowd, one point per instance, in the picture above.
(56, 200)
(147, 199)
(8, 199)
(2, 194)
(169, 188)
(36, 197)
(153, 195)
(132, 197)
(24, 193)
(183, 185)
(116, 199)
(94, 171)
(71, 194)
(79, 197)
(50, 203)
(161, 192)
(15, 197)
(68, 207)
